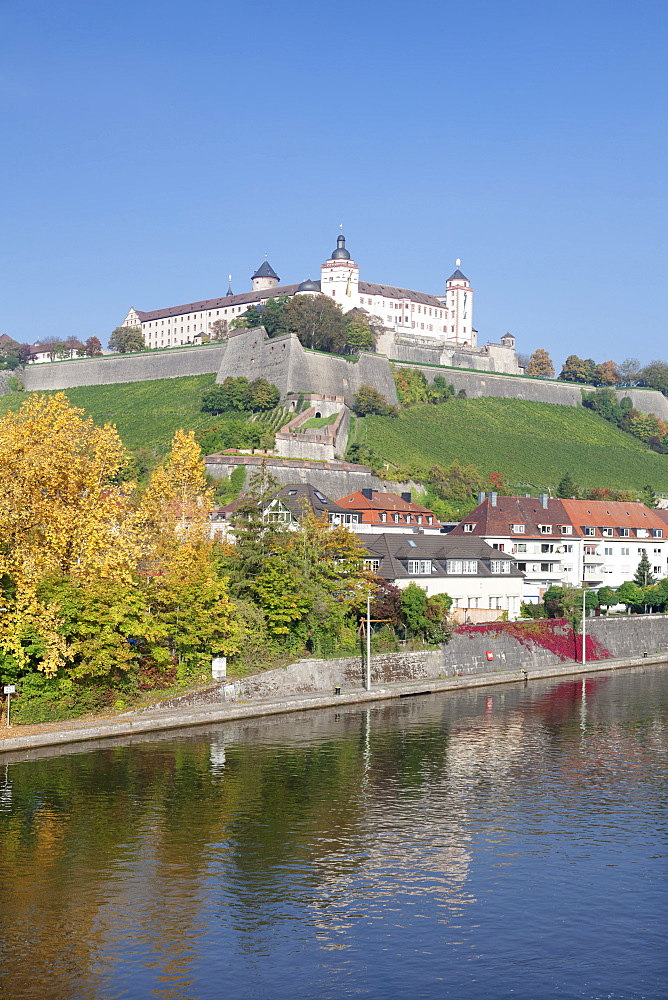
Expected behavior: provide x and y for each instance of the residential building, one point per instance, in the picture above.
(289, 506)
(472, 573)
(554, 541)
(389, 512)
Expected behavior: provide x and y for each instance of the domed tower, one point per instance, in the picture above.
(458, 301)
(264, 277)
(339, 277)
(308, 287)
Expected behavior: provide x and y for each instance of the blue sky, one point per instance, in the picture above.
(153, 148)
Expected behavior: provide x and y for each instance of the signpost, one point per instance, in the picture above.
(9, 690)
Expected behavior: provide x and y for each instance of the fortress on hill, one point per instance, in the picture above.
(417, 326)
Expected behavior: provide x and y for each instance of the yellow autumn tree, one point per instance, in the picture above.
(61, 510)
(176, 504)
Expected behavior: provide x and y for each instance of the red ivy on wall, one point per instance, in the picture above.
(554, 634)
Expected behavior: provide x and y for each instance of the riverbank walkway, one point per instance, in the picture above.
(15, 739)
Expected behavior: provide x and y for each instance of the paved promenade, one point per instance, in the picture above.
(15, 739)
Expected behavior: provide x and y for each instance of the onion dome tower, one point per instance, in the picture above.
(340, 275)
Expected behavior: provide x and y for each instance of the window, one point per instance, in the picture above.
(419, 567)
(522, 566)
(500, 566)
(517, 528)
(546, 567)
(371, 565)
(608, 551)
(607, 532)
(657, 569)
(520, 547)
(453, 566)
(658, 532)
(624, 532)
(589, 530)
(470, 566)
(624, 552)
(546, 547)
(545, 529)
(568, 548)
(589, 568)
(469, 526)
(383, 517)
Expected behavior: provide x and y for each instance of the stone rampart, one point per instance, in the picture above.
(536, 390)
(110, 370)
(334, 479)
(284, 362)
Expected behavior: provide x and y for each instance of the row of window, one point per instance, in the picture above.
(588, 530)
(457, 567)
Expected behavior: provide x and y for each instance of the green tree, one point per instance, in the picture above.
(630, 594)
(607, 597)
(218, 330)
(649, 497)
(369, 400)
(540, 364)
(360, 336)
(576, 369)
(604, 402)
(263, 395)
(440, 391)
(411, 386)
(126, 340)
(248, 320)
(273, 316)
(566, 490)
(643, 574)
(655, 376)
(414, 607)
(318, 322)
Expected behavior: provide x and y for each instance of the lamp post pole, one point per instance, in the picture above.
(367, 679)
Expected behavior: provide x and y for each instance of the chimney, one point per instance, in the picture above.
(492, 499)
(544, 499)
(481, 498)
(367, 494)
(406, 497)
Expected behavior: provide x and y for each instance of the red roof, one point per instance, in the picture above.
(379, 503)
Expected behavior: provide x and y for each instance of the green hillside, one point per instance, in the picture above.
(530, 443)
(146, 414)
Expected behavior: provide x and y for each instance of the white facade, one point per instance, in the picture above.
(412, 317)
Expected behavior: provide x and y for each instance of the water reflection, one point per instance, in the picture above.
(292, 855)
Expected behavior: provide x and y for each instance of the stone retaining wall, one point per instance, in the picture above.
(465, 655)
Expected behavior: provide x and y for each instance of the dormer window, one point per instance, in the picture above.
(624, 532)
(469, 526)
(566, 529)
(518, 529)
(607, 532)
(588, 530)
(545, 529)
(658, 532)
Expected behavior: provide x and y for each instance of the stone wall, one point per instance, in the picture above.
(334, 479)
(284, 362)
(492, 358)
(537, 390)
(323, 443)
(631, 635)
(110, 370)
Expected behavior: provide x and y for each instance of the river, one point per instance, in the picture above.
(505, 842)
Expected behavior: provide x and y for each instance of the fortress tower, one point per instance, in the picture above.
(264, 277)
(339, 277)
(458, 300)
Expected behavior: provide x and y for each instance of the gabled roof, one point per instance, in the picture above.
(392, 292)
(265, 270)
(298, 497)
(611, 514)
(246, 299)
(496, 520)
(384, 503)
(394, 550)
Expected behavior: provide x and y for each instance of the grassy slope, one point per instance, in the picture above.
(533, 443)
(146, 414)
